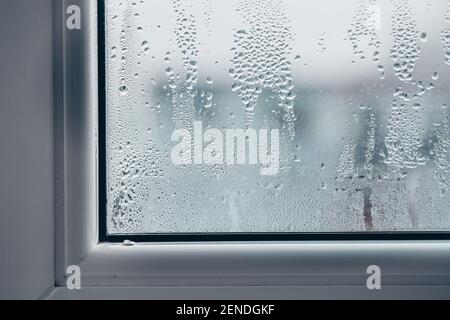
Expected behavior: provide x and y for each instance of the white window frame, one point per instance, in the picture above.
(219, 270)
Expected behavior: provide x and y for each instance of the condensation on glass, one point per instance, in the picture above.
(358, 92)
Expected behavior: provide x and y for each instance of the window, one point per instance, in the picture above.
(252, 118)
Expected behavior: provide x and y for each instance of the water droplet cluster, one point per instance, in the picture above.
(186, 38)
(445, 37)
(364, 26)
(405, 52)
(260, 57)
(405, 134)
(440, 151)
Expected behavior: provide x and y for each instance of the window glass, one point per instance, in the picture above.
(277, 116)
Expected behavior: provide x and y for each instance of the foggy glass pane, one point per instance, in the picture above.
(277, 115)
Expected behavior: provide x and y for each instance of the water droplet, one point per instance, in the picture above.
(128, 243)
(123, 90)
(423, 37)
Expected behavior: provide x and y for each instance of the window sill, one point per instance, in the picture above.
(408, 263)
(252, 293)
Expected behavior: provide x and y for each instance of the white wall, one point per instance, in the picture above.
(26, 149)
